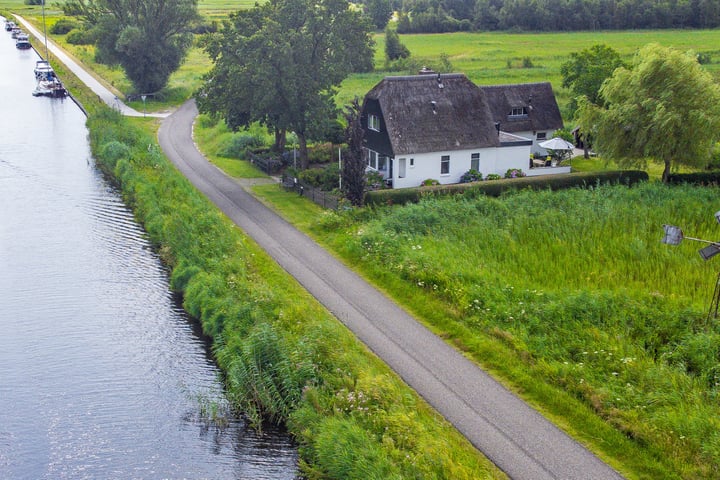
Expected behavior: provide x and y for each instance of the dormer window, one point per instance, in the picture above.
(518, 112)
(373, 122)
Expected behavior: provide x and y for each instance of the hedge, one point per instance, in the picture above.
(495, 188)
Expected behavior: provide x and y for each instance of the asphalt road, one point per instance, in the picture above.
(514, 436)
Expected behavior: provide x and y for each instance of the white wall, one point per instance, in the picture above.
(537, 150)
(427, 165)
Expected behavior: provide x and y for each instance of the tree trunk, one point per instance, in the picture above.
(302, 141)
(666, 172)
(280, 140)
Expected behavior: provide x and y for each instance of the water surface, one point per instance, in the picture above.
(102, 374)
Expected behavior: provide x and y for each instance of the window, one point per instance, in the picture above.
(475, 162)
(541, 135)
(372, 159)
(373, 122)
(412, 162)
(445, 165)
(518, 112)
(382, 163)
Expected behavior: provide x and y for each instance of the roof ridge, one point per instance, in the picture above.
(506, 85)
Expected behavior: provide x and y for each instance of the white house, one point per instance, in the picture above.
(435, 126)
(528, 110)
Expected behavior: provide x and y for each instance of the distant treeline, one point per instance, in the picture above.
(435, 16)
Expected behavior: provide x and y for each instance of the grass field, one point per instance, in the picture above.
(486, 58)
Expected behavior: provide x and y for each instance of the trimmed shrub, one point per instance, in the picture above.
(697, 178)
(498, 187)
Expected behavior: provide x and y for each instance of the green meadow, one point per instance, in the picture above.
(486, 58)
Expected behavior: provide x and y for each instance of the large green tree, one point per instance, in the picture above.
(663, 108)
(148, 38)
(280, 64)
(586, 71)
(394, 48)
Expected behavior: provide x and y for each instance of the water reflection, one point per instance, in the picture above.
(102, 375)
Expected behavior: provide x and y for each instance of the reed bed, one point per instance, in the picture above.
(578, 285)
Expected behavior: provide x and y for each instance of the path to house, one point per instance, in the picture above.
(514, 436)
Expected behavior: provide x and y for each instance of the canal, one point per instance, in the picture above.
(102, 374)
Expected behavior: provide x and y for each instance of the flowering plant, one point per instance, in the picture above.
(514, 173)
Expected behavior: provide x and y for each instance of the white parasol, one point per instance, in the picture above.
(557, 143)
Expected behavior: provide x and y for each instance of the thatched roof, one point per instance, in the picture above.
(430, 113)
(538, 100)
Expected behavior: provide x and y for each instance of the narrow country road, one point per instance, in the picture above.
(514, 436)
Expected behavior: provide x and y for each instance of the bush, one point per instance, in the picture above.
(514, 173)
(63, 26)
(79, 37)
(238, 145)
(429, 182)
(493, 176)
(320, 153)
(471, 176)
(325, 178)
(697, 178)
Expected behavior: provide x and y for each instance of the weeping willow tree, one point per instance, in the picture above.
(663, 109)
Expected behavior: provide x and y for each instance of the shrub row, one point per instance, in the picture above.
(696, 178)
(495, 188)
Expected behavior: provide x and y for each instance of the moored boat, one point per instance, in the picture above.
(43, 70)
(50, 88)
(9, 25)
(15, 32)
(22, 42)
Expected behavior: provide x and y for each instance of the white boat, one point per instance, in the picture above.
(22, 42)
(50, 88)
(9, 25)
(43, 70)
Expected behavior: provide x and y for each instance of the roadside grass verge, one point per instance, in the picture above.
(285, 358)
(570, 299)
(215, 138)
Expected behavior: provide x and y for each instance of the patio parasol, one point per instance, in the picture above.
(557, 143)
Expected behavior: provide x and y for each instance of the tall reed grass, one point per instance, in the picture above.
(578, 284)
